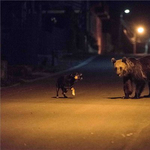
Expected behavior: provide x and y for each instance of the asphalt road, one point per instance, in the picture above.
(97, 118)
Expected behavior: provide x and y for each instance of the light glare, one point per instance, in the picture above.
(140, 29)
(127, 11)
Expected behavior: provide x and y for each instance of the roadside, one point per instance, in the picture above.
(21, 74)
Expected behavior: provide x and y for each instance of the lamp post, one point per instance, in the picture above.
(126, 11)
(139, 30)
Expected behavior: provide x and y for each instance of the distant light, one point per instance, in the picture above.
(140, 30)
(127, 11)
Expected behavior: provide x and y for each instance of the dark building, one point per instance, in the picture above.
(35, 30)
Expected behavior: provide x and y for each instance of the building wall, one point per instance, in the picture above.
(96, 31)
(30, 28)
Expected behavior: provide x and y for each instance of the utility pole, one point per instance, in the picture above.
(134, 44)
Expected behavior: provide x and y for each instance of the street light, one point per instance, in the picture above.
(127, 11)
(139, 30)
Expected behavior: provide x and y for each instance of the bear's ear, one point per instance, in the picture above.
(124, 59)
(71, 75)
(113, 60)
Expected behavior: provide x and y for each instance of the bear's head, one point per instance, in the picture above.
(122, 66)
(77, 76)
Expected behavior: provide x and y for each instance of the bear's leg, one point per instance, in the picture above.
(73, 91)
(139, 89)
(57, 91)
(149, 90)
(64, 91)
(128, 87)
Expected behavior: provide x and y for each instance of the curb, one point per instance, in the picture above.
(57, 73)
(60, 72)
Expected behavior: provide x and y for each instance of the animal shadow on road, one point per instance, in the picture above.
(115, 97)
(62, 97)
(145, 96)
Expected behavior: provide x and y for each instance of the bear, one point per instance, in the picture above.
(133, 70)
(66, 82)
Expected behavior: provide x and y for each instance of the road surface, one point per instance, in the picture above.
(97, 118)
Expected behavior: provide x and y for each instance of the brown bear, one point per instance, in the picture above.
(66, 82)
(133, 70)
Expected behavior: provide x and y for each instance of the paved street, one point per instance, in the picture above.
(97, 118)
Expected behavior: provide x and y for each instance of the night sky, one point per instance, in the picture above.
(139, 15)
(137, 8)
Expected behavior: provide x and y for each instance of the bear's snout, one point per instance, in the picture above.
(119, 75)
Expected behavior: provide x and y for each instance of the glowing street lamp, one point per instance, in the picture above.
(139, 30)
(127, 11)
